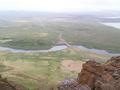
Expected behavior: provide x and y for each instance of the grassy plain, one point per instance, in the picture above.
(43, 33)
(42, 70)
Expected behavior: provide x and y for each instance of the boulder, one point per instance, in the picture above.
(96, 76)
(9, 85)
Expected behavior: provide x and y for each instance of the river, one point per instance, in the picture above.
(57, 48)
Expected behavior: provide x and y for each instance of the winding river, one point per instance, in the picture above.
(57, 48)
(62, 47)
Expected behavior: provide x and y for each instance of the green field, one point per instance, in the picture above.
(42, 70)
(43, 33)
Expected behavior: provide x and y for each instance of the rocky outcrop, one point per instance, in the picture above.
(8, 85)
(95, 76)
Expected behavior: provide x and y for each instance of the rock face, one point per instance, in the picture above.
(7, 85)
(96, 76)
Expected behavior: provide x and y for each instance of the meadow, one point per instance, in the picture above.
(42, 71)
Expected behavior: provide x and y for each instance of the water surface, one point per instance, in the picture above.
(58, 48)
(115, 25)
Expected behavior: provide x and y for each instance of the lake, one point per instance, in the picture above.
(115, 25)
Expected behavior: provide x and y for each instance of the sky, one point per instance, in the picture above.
(60, 5)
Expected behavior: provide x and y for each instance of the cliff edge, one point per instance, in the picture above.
(95, 76)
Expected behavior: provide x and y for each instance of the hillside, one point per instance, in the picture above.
(96, 76)
(39, 50)
(44, 70)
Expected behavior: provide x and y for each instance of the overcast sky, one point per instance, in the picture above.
(60, 5)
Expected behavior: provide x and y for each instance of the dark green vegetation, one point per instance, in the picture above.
(42, 32)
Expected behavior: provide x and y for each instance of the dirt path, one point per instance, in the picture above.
(71, 65)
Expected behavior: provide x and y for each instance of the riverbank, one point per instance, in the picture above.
(58, 48)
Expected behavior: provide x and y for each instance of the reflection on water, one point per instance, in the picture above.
(57, 48)
(92, 50)
(115, 25)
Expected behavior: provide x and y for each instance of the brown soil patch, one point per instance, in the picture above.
(71, 65)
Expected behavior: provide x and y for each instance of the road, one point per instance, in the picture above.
(63, 40)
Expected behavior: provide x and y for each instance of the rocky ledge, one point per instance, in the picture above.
(8, 85)
(95, 76)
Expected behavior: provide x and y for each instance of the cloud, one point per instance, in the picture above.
(60, 5)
